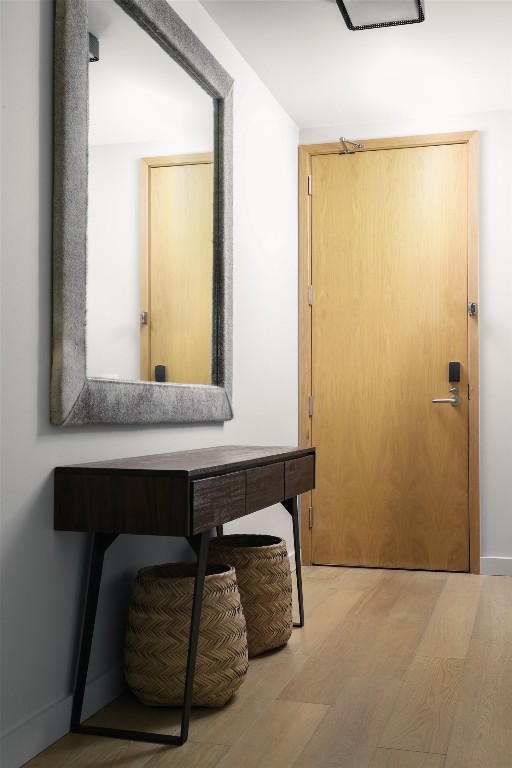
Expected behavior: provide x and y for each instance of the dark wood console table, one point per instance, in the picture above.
(173, 494)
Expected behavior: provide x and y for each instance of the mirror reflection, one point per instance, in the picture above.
(150, 220)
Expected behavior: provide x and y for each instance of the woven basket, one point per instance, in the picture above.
(157, 635)
(264, 580)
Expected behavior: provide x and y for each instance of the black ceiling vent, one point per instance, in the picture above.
(374, 14)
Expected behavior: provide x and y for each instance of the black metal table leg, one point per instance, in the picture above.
(194, 542)
(194, 633)
(293, 508)
(101, 544)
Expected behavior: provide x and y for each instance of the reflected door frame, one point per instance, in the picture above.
(146, 165)
(306, 153)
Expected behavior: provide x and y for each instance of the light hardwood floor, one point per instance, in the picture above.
(394, 669)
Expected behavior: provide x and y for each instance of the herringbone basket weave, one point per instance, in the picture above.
(264, 580)
(157, 634)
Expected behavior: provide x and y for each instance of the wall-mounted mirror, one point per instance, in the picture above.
(142, 219)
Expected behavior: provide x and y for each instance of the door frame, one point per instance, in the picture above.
(146, 164)
(306, 153)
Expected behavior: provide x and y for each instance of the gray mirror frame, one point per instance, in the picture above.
(74, 398)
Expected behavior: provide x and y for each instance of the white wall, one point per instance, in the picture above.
(43, 572)
(495, 316)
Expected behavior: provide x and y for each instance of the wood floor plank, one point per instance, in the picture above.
(324, 572)
(277, 736)
(356, 578)
(418, 601)
(383, 593)
(482, 730)
(224, 725)
(319, 681)
(80, 751)
(493, 620)
(126, 712)
(349, 734)
(190, 755)
(392, 758)
(437, 574)
(315, 591)
(422, 717)
(350, 639)
(325, 617)
(266, 677)
(391, 650)
(449, 630)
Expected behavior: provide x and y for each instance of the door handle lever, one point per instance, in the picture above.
(452, 400)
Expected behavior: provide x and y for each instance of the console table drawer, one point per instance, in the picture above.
(265, 486)
(217, 500)
(299, 476)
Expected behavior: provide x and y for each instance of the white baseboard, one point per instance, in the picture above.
(496, 566)
(29, 738)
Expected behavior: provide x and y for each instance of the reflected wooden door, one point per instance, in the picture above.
(389, 255)
(177, 268)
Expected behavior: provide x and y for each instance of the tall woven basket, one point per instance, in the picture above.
(157, 634)
(263, 575)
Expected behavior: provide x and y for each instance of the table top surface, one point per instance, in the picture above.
(193, 463)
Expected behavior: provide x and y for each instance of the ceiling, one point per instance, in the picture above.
(458, 61)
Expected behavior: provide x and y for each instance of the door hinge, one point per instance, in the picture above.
(310, 185)
(311, 517)
(469, 392)
(144, 318)
(310, 405)
(310, 295)
(472, 308)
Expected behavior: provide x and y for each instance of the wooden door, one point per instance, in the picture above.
(177, 268)
(389, 269)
